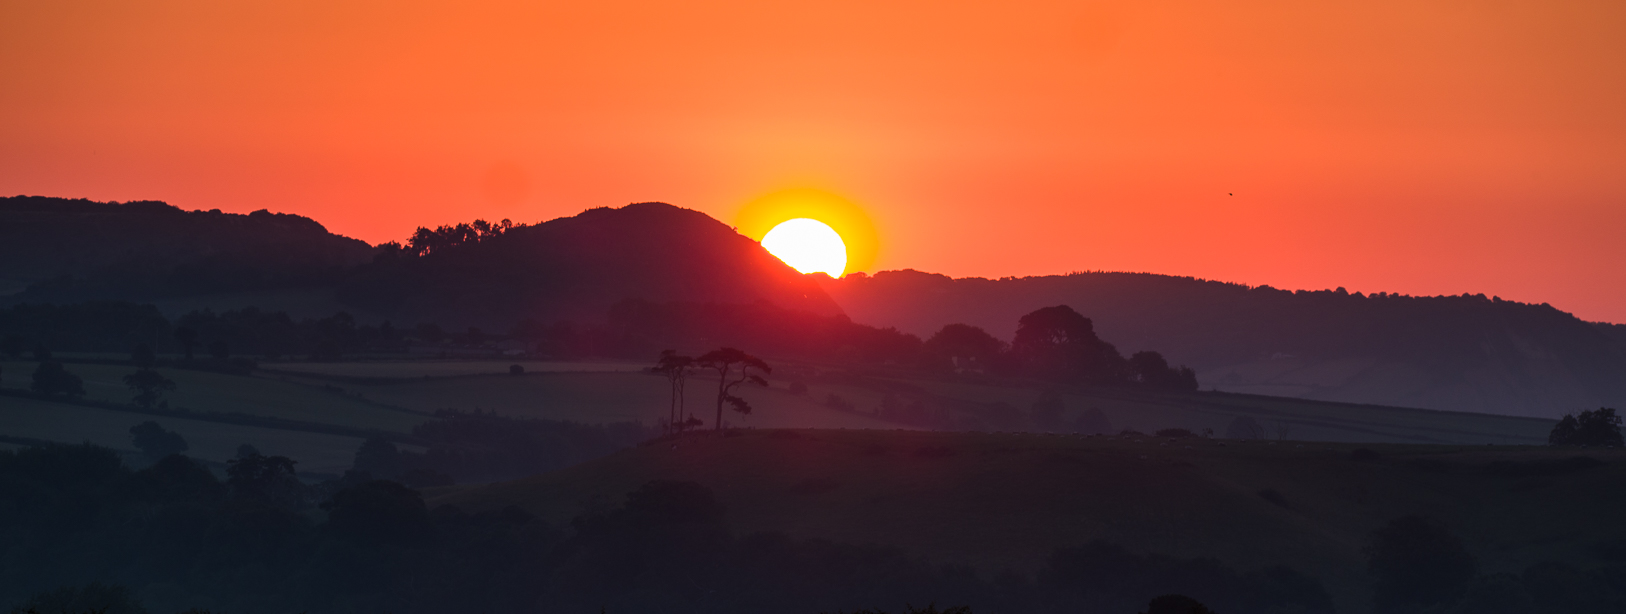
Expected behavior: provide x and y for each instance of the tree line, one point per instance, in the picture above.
(179, 537)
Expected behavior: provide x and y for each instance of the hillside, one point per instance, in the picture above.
(1463, 353)
(70, 250)
(576, 268)
(1005, 501)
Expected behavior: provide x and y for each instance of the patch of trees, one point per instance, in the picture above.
(425, 242)
(1055, 344)
(178, 537)
(1600, 427)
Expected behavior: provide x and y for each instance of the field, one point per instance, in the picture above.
(1005, 501)
(392, 396)
(208, 440)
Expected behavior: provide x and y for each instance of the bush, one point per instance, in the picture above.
(51, 378)
(156, 442)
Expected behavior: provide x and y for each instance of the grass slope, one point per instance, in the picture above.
(208, 440)
(1002, 501)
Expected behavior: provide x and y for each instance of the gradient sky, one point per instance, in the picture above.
(1391, 145)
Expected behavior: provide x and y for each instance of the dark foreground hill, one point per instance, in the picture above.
(1463, 353)
(74, 250)
(1009, 501)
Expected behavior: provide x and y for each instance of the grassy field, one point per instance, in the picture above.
(215, 392)
(444, 368)
(211, 441)
(393, 396)
(1005, 501)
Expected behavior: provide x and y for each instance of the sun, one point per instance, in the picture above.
(850, 222)
(808, 245)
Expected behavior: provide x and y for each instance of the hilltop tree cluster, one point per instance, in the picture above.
(1600, 427)
(1055, 344)
(425, 241)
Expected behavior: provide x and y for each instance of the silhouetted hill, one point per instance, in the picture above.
(1468, 353)
(68, 250)
(576, 268)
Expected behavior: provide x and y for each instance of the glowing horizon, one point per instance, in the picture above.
(1387, 146)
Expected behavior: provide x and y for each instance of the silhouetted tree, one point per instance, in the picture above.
(188, 339)
(724, 361)
(676, 369)
(265, 479)
(378, 512)
(1150, 369)
(379, 458)
(245, 451)
(1600, 427)
(143, 357)
(1056, 343)
(51, 378)
(149, 387)
(1416, 563)
(962, 346)
(155, 442)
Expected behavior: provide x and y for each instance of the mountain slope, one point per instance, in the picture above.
(1466, 353)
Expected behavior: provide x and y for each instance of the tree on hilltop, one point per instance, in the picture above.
(1059, 344)
(1600, 427)
(724, 361)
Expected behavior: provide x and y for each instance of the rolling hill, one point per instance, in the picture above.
(1006, 501)
(1464, 353)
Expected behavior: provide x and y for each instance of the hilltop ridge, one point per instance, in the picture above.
(1465, 353)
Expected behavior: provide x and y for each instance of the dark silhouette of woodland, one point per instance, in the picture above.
(178, 537)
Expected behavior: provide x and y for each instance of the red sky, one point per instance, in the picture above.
(1410, 146)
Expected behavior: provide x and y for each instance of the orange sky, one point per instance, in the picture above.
(1411, 146)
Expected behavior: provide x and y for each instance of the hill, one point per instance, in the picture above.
(1464, 353)
(1006, 501)
(576, 268)
(73, 250)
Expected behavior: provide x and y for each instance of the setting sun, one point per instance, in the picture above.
(808, 245)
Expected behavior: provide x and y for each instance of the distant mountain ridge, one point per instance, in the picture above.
(1466, 353)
